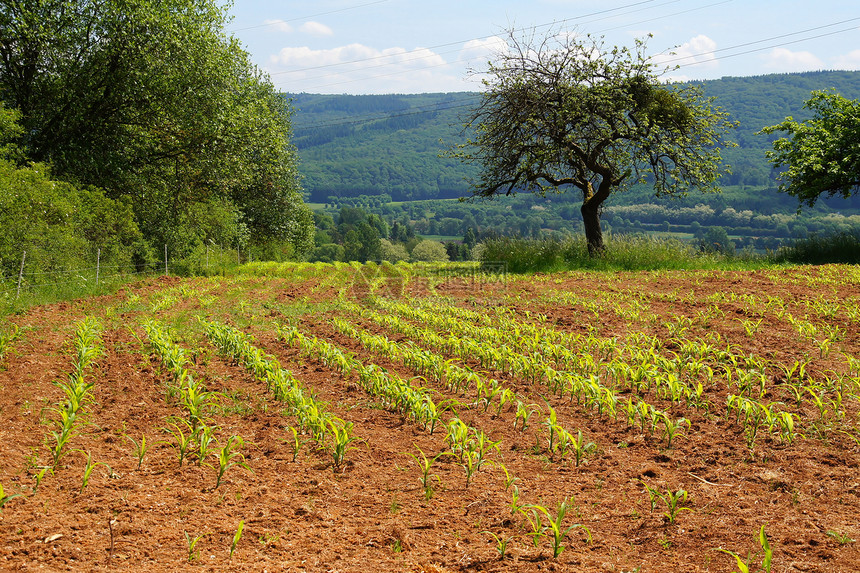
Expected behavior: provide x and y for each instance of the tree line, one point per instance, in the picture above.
(145, 125)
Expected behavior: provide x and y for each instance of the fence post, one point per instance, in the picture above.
(165, 259)
(98, 265)
(21, 274)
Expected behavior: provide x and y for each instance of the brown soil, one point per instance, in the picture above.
(371, 514)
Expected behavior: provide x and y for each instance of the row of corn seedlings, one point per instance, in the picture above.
(469, 445)
(195, 435)
(586, 390)
(77, 389)
(396, 394)
(311, 415)
(433, 367)
(444, 371)
(679, 377)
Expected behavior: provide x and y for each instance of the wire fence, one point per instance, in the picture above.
(87, 278)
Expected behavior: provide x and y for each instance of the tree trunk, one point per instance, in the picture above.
(593, 232)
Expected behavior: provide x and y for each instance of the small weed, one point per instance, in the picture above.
(841, 538)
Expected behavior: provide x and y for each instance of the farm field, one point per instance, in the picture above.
(312, 417)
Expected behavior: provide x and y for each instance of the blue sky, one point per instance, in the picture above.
(403, 46)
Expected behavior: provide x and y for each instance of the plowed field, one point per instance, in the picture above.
(673, 413)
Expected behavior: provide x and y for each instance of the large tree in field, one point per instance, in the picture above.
(152, 100)
(822, 154)
(562, 111)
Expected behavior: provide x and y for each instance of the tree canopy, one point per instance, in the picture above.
(822, 154)
(564, 111)
(152, 101)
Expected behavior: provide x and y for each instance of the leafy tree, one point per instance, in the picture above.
(716, 240)
(564, 111)
(392, 252)
(151, 100)
(429, 251)
(821, 154)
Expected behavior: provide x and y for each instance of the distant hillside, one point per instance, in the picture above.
(389, 144)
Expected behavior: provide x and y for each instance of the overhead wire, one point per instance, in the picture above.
(461, 42)
(281, 21)
(360, 120)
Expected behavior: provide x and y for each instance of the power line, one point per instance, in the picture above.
(277, 22)
(840, 23)
(417, 111)
(423, 51)
(461, 42)
(678, 59)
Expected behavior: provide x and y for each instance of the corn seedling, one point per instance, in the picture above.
(581, 447)
(470, 464)
(767, 558)
(205, 437)
(424, 465)
(196, 400)
(840, 538)
(296, 443)
(555, 528)
(191, 542)
(501, 543)
(535, 523)
(227, 457)
(184, 442)
(551, 423)
(509, 479)
(672, 428)
(5, 498)
(88, 470)
(751, 326)
(673, 501)
(524, 412)
(341, 435)
(236, 537)
(515, 504)
(38, 478)
(139, 448)
(653, 495)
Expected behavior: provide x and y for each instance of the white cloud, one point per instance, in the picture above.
(279, 25)
(698, 51)
(783, 60)
(483, 50)
(316, 29)
(849, 61)
(356, 68)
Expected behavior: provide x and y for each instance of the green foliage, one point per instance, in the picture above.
(59, 225)
(564, 112)
(822, 154)
(429, 251)
(622, 253)
(154, 103)
(841, 248)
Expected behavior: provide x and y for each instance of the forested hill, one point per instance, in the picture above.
(390, 144)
